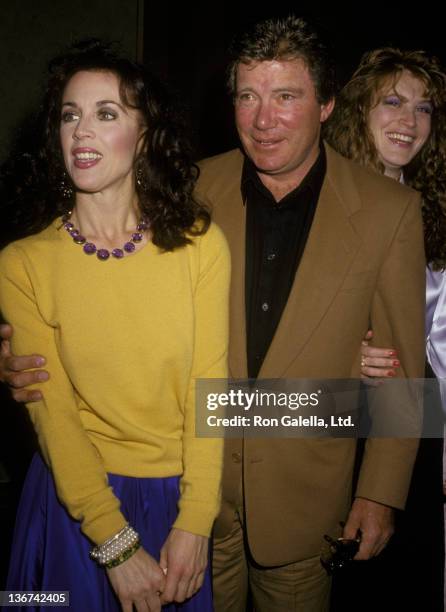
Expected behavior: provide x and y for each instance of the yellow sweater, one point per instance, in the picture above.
(124, 341)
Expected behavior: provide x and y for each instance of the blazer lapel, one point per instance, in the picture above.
(330, 250)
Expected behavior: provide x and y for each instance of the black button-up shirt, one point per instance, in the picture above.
(276, 234)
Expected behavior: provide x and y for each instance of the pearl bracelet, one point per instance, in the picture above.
(126, 554)
(115, 546)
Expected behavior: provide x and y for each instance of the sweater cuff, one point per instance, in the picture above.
(101, 529)
(195, 517)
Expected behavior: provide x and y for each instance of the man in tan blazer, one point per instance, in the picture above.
(320, 249)
(360, 260)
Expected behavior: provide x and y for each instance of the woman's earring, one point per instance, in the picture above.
(65, 188)
(139, 177)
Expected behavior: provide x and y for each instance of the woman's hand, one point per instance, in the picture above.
(18, 372)
(138, 582)
(377, 362)
(184, 558)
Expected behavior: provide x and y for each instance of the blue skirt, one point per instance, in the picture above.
(49, 552)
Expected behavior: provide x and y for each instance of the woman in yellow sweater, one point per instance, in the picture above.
(123, 245)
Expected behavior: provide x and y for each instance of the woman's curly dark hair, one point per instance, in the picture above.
(348, 132)
(165, 170)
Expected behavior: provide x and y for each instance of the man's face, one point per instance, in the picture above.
(278, 117)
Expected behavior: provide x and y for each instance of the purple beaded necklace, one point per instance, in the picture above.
(90, 248)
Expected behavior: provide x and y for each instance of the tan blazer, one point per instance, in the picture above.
(364, 261)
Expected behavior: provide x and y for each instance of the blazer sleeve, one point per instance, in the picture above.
(79, 474)
(397, 319)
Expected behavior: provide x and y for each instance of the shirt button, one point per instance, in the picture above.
(236, 457)
(271, 256)
(265, 306)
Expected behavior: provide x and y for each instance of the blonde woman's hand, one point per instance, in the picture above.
(138, 582)
(377, 362)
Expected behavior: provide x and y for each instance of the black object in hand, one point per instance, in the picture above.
(340, 553)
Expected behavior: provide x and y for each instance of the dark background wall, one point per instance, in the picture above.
(31, 32)
(186, 45)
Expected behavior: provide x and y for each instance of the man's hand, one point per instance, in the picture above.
(184, 558)
(376, 522)
(138, 582)
(19, 372)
